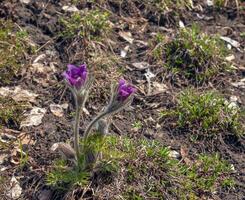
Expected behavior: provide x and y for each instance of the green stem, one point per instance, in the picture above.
(76, 129)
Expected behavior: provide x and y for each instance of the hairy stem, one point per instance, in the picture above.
(92, 123)
(76, 128)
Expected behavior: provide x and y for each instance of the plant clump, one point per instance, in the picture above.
(12, 49)
(195, 56)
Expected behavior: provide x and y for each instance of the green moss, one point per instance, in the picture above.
(12, 49)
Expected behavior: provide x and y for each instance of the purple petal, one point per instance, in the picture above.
(72, 68)
(124, 90)
(76, 76)
(122, 82)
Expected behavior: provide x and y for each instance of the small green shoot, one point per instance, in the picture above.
(137, 125)
(228, 183)
(23, 155)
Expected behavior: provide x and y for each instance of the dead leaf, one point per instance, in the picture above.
(26, 139)
(124, 52)
(141, 65)
(3, 158)
(230, 58)
(148, 76)
(184, 155)
(34, 117)
(15, 189)
(232, 42)
(126, 36)
(181, 24)
(25, 1)
(240, 84)
(64, 149)
(58, 110)
(158, 88)
(18, 94)
(142, 43)
(210, 2)
(71, 8)
(16, 154)
(86, 111)
(40, 57)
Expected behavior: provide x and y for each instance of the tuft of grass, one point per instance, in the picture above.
(93, 24)
(10, 112)
(193, 55)
(206, 113)
(13, 46)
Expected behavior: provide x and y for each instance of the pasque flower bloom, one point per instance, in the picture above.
(79, 82)
(121, 96)
(76, 76)
(124, 90)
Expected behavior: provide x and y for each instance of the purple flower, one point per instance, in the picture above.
(124, 90)
(76, 76)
